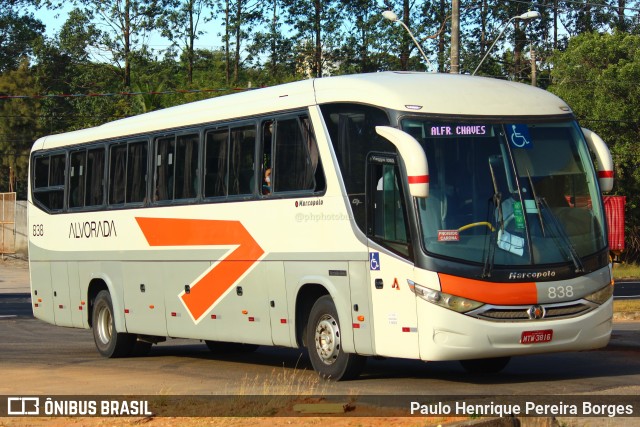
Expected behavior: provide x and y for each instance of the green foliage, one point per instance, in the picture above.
(598, 76)
(18, 126)
(17, 35)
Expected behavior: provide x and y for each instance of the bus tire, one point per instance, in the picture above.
(109, 342)
(221, 347)
(485, 366)
(324, 344)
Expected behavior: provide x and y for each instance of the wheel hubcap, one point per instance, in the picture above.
(104, 325)
(327, 339)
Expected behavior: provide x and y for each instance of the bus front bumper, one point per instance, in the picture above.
(447, 335)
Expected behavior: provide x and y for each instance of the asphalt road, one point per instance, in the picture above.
(627, 289)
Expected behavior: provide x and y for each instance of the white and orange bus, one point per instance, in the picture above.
(410, 215)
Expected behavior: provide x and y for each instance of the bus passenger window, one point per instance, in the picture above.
(267, 150)
(117, 175)
(49, 181)
(296, 162)
(137, 172)
(94, 194)
(215, 163)
(77, 169)
(187, 150)
(164, 168)
(241, 161)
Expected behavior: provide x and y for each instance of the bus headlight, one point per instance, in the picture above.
(448, 301)
(601, 296)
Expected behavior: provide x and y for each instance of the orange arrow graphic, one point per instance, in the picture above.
(202, 232)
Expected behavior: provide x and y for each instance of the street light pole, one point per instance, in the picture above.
(387, 14)
(524, 17)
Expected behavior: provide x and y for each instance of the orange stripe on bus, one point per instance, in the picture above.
(490, 292)
(200, 232)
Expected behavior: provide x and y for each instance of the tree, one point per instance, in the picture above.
(126, 22)
(315, 23)
(18, 32)
(273, 45)
(597, 75)
(182, 29)
(18, 125)
(239, 18)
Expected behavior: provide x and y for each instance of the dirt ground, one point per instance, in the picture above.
(15, 271)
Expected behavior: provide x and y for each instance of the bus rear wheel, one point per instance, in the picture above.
(109, 342)
(324, 342)
(485, 366)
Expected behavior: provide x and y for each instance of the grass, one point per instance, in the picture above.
(626, 306)
(626, 271)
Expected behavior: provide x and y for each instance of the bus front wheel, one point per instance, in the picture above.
(110, 343)
(324, 342)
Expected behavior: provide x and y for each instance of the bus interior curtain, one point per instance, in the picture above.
(312, 153)
(186, 145)
(234, 161)
(118, 174)
(220, 185)
(137, 167)
(95, 178)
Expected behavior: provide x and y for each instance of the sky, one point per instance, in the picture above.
(54, 19)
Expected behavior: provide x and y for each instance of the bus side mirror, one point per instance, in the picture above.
(413, 156)
(603, 158)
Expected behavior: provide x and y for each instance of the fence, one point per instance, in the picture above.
(7, 223)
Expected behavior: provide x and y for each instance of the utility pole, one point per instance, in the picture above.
(534, 71)
(455, 37)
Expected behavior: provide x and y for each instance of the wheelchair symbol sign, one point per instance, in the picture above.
(374, 261)
(519, 136)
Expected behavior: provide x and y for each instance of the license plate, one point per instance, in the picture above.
(536, 337)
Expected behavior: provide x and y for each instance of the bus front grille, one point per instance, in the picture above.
(521, 313)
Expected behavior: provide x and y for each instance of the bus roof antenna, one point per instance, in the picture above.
(391, 16)
(532, 14)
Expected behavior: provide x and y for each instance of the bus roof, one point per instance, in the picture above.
(442, 94)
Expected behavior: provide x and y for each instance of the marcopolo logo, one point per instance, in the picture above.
(514, 275)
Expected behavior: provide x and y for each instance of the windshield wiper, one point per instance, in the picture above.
(562, 234)
(566, 247)
(537, 202)
(499, 225)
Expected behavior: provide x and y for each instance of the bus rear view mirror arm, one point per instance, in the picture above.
(413, 156)
(603, 158)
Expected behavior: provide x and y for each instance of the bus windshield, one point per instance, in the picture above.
(508, 193)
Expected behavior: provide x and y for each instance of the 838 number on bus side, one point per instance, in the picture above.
(37, 230)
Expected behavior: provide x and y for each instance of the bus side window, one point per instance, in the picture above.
(94, 194)
(117, 173)
(137, 172)
(49, 181)
(164, 168)
(216, 163)
(241, 161)
(77, 170)
(187, 151)
(267, 157)
(387, 212)
(296, 162)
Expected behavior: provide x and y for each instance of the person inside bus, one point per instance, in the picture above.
(266, 185)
